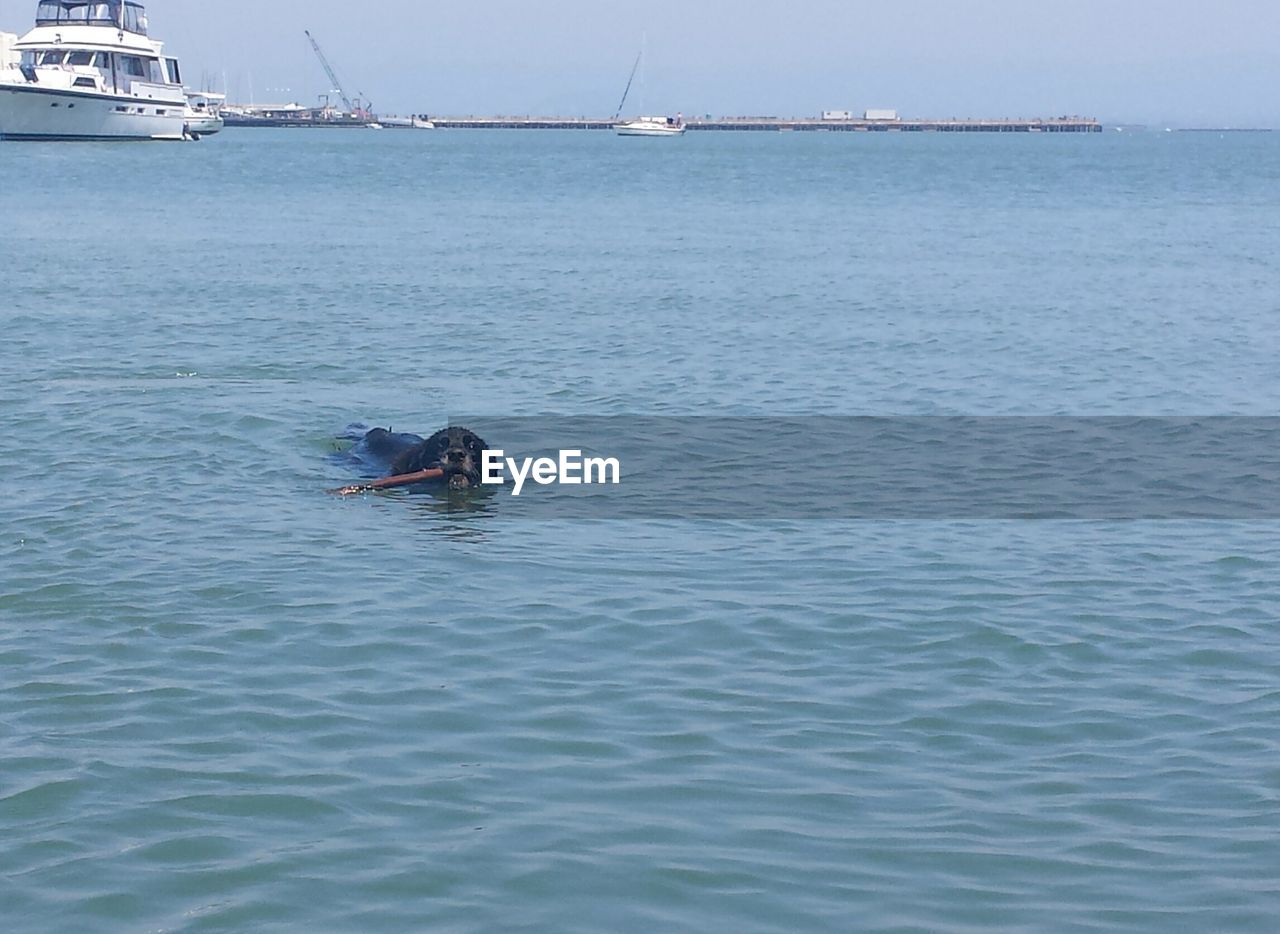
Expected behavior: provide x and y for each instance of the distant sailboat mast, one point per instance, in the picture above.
(630, 81)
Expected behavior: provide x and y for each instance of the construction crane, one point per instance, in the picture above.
(357, 107)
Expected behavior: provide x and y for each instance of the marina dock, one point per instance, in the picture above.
(721, 124)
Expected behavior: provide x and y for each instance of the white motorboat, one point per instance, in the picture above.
(651, 126)
(407, 123)
(89, 71)
(204, 113)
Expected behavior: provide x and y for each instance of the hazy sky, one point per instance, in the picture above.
(1140, 60)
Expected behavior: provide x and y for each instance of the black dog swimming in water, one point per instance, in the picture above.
(456, 451)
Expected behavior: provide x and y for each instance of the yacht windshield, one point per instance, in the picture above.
(80, 12)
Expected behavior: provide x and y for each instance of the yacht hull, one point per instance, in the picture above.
(29, 112)
(625, 130)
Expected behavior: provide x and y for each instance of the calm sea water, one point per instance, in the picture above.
(229, 701)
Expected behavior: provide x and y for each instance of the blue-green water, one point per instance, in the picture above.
(231, 702)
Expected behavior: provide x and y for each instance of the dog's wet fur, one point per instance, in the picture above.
(457, 451)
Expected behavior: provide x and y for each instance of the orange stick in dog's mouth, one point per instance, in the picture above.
(388, 483)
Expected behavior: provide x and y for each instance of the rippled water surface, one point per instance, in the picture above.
(231, 701)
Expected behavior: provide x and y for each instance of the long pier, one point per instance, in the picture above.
(722, 124)
(785, 125)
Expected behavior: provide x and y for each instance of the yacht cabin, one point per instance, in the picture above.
(68, 36)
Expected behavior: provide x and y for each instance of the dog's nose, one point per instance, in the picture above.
(457, 455)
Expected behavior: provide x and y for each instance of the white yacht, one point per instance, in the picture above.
(204, 113)
(645, 126)
(651, 126)
(89, 71)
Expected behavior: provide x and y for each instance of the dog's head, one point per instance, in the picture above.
(458, 452)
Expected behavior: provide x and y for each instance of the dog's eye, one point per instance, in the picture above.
(472, 443)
